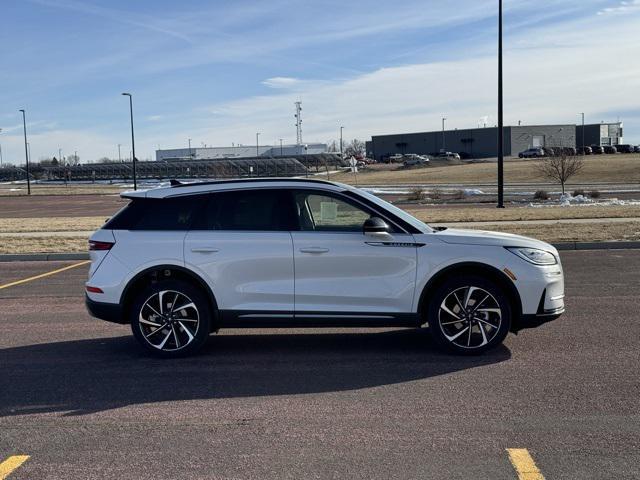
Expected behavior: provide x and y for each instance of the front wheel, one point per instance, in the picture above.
(171, 319)
(469, 315)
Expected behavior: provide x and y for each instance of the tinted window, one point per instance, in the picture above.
(320, 212)
(175, 213)
(266, 210)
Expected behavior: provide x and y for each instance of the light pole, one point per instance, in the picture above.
(190, 155)
(26, 150)
(500, 119)
(119, 154)
(133, 142)
(443, 145)
(59, 156)
(280, 147)
(257, 135)
(341, 128)
(583, 152)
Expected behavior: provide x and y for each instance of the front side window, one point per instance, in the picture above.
(326, 213)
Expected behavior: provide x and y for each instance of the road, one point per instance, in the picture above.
(78, 397)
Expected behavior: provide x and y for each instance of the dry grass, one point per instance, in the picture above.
(52, 224)
(40, 189)
(476, 214)
(622, 168)
(42, 245)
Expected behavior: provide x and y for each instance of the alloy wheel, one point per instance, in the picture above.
(470, 317)
(169, 320)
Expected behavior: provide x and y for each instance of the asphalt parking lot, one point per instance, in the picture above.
(78, 397)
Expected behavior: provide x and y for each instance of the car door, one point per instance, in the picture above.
(339, 269)
(243, 248)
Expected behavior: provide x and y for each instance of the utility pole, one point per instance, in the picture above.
(583, 152)
(341, 128)
(133, 142)
(444, 149)
(26, 150)
(500, 118)
(257, 135)
(281, 147)
(298, 116)
(190, 155)
(119, 155)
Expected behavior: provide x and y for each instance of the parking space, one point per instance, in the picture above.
(78, 397)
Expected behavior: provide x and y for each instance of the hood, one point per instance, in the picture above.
(496, 239)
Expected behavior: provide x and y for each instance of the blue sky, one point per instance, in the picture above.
(218, 72)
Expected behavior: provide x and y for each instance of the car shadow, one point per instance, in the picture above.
(85, 376)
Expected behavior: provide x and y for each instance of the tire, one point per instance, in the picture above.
(178, 328)
(487, 312)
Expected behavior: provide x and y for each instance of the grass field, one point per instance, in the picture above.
(621, 168)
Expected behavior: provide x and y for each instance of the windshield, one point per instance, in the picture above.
(423, 227)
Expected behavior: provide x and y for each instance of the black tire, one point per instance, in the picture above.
(488, 326)
(182, 336)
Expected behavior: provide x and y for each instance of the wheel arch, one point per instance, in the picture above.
(472, 268)
(157, 273)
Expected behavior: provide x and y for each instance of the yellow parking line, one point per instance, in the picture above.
(42, 275)
(10, 464)
(524, 464)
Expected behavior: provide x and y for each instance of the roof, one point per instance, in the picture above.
(178, 188)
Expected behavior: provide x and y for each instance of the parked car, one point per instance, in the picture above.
(532, 153)
(597, 149)
(584, 151)
(610, 149)
(182, 261)
(625, 148)
(397, 158)
(636, 149)
(570, 151)
(549, 151)
(411, 160)
(448, 155)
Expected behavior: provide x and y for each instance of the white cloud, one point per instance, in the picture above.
(624, 7)
(281, 82)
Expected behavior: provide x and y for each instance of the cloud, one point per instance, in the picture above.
(623, 7)
(154, 118)
(281, 82)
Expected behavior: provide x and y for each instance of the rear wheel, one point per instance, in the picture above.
(469, 315)
(171, 319)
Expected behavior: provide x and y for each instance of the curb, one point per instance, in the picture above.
(39, 257)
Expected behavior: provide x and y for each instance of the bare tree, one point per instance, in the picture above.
(355, 147)
(560, 168)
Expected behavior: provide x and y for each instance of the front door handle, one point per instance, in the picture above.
(314, 250)
(205, 250)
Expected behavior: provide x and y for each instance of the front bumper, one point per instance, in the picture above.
(110, 312)
(543, 315)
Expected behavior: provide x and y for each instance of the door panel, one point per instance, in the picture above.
(245, 270)
(353, 272)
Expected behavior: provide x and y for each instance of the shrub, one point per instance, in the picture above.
(417, 193)
(458, 195)
(594, 193)
(577, 192)
(541, 195)
(436, 194)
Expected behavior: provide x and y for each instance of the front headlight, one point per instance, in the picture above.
(534, 255)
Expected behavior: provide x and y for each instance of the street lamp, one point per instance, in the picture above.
(583, 152)
(133, 142)
(341, 128)
(257, 135)
(26, 150)
(500, 119)
(190, 155)
(443, 145)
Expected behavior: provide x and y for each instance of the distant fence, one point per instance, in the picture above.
(215, 168)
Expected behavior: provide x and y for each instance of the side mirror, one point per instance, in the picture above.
(375, 225)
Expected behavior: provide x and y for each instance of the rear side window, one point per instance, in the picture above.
(174, 214)
(258, 210)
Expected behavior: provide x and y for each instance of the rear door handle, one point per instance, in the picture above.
(205, 250)
(314, 250)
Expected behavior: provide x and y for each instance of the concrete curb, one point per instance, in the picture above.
(31, 257)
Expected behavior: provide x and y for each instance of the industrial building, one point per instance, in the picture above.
(482, 142)
(240, 151)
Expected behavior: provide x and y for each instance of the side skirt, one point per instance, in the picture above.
(270, 319)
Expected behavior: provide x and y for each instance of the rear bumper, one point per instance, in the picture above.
(110, 312)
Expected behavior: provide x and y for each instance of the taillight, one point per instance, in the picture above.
(95, 245)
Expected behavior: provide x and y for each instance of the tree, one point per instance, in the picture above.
(73, 159)
(355, 148)
(561, 167)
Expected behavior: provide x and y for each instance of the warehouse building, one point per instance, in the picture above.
(482, 142)
(241, 151)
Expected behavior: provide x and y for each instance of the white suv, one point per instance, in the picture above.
(181, 262)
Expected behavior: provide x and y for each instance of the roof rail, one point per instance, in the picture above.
(178, 184)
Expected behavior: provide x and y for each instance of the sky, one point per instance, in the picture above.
(220, 71)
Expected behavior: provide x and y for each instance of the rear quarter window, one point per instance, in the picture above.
(177, 213)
